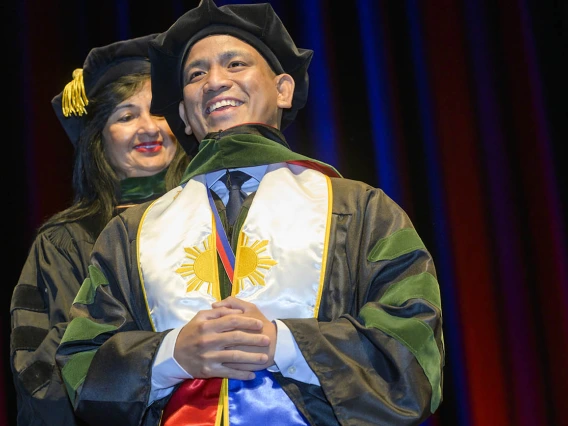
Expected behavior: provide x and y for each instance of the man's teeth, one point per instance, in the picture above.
(223, 103)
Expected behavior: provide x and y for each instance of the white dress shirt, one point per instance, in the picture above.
(166, 371)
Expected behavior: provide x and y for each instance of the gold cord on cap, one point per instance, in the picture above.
(74, 99)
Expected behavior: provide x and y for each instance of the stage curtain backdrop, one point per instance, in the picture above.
(456, 108)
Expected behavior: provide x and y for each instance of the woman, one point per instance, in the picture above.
(123, 156)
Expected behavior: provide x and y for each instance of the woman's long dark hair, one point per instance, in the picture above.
(96, 186)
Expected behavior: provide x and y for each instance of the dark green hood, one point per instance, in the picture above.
(247, 145)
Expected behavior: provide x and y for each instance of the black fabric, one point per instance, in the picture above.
(27, 297)
(310, 401)
(233, 181)
(26, 337)
(37, 375)
(103, 65)
(256, 24)
(124, 66)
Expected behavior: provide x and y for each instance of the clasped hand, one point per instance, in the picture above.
(232, 339)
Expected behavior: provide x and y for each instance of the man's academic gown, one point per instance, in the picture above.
(376, 345)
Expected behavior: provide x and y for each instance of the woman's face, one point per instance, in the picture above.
(138, 143)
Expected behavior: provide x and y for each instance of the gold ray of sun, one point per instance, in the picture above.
(250, 263)
(201, 268)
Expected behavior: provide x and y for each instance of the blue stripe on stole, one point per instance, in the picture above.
(223, 247)
(261, 401)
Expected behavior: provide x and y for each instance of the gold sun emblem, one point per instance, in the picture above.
(250, 263)
(202, 268)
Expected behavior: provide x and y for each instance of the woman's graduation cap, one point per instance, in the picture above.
(102, 66)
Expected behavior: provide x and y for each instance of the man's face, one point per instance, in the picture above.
(227, 82)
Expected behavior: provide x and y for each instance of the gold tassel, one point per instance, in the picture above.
(74, 99)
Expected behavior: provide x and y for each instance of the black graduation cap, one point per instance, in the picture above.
(255, 24)
(102, 66)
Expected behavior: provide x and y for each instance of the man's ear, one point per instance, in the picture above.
(285, 86)
(183, 117)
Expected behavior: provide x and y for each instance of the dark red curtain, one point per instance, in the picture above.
(456, 108)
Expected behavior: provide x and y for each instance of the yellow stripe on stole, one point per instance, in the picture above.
(326, 245)
(225, 394)
(223, 407)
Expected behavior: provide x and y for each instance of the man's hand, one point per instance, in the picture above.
(209, 345)
(250, 310)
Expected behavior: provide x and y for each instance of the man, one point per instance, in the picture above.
(328, 312)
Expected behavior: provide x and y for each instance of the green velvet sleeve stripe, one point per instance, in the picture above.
(421, 286)
(75, 371)
(84, 329)
(418, 338)
(86, 294)
(401, 242)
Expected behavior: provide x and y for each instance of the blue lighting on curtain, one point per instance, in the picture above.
(376, 70)
(320, 94)
(443, 259)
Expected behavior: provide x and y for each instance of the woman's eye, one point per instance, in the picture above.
(125, 118)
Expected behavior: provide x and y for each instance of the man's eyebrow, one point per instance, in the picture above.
(229, 54)
(198, 63)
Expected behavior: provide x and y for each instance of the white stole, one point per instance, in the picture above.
(280, 259)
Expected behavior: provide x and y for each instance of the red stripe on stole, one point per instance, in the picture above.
(224, 258)
(196, 399)
(323, 168)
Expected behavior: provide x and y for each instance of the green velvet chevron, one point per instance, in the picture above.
(413, 333)
(86, 294)
(75, 371)
(82, 329)
(403, 241)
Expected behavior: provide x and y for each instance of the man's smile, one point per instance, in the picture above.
(222, 104)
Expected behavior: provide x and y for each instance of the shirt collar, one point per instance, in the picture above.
(257, 172)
